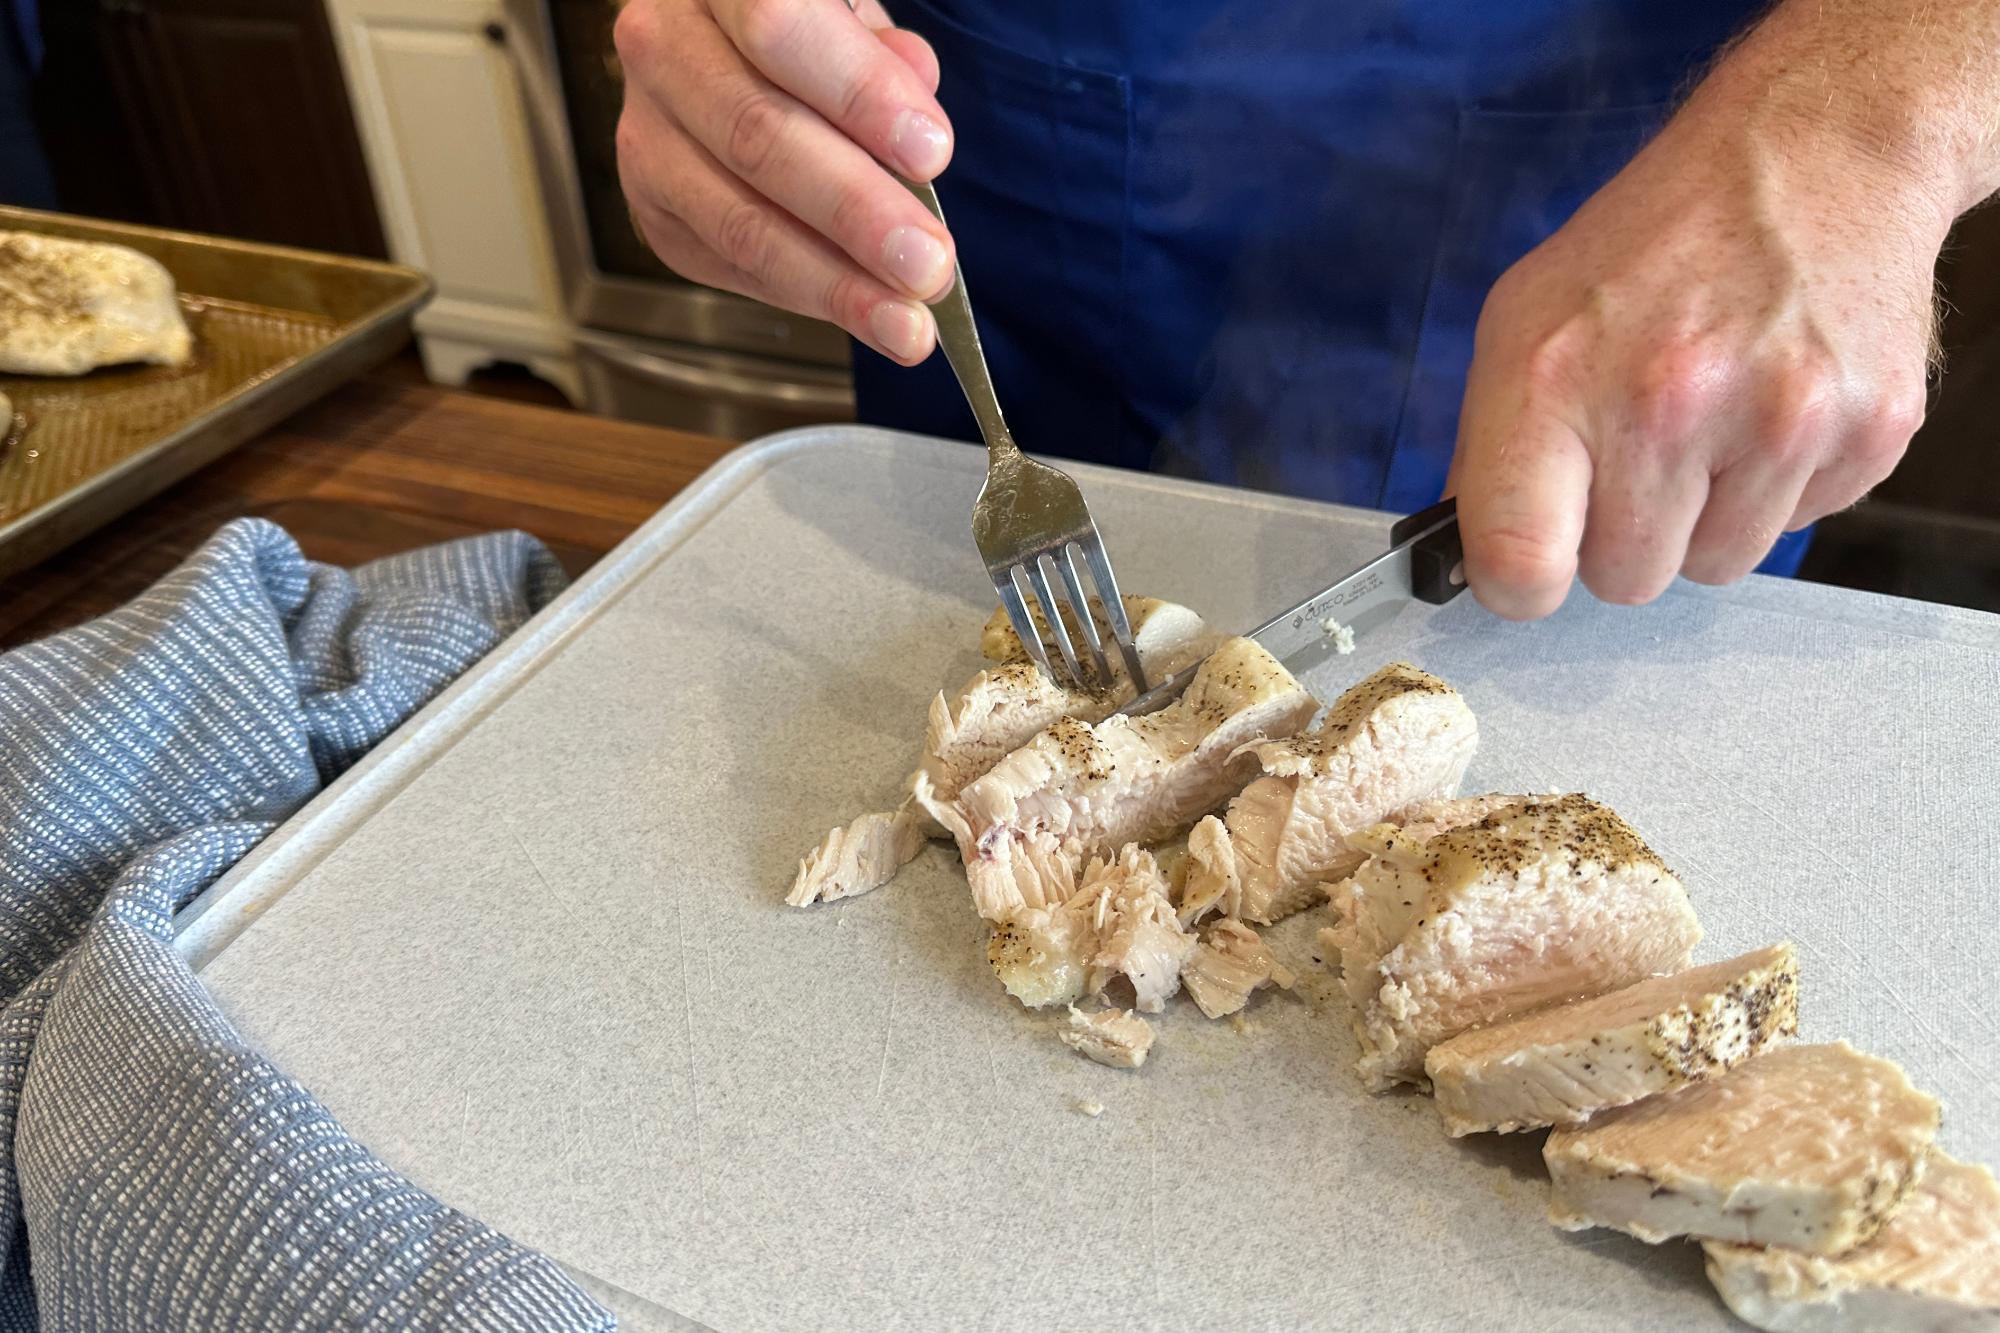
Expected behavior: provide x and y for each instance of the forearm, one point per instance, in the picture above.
(1911, 87)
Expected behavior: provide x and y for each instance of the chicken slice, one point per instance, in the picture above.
(1003, 708)
(864, 855)
(1078, 790)
(995, 713)
(1230, 963)
(1539, 902)
(1119, 922)
(1808, 1147)
(1115, 1037)
(67, 307)
(1399, 738)
(1559, 1066)
(1934, 1267)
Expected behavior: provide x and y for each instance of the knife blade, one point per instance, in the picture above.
(1423, 564)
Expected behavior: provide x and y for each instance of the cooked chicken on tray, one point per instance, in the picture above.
(67, 307)
(1527, 959)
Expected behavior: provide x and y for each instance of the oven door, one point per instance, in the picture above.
(611, 281)
(736, 395)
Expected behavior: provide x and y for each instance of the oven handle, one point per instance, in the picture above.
(799, 395)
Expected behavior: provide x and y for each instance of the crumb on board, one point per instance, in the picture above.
(1089, 1108)
(1342, 636)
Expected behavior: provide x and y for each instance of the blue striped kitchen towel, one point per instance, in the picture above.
(155, 1172)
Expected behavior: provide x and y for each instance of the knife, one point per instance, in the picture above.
(1423, 563)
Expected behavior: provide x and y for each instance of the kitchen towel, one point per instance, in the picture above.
(155, 1172)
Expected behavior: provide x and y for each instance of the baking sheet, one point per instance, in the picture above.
(534, 952)
(273, 329)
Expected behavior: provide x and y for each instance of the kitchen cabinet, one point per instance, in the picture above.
(234, 119)
(437, 96)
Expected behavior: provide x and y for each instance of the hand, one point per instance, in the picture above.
(752, 147)
(1729, 341)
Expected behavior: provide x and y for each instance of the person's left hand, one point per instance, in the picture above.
(1729, 341)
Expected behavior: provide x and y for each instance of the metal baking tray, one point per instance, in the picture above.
(274, 328)
(533, 949)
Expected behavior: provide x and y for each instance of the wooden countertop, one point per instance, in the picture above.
(381, 465)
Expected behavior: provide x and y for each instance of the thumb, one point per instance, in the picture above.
(1522, 477)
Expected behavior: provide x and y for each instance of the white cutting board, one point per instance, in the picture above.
(534, 951)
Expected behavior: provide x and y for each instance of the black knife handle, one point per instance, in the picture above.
(1436, 558)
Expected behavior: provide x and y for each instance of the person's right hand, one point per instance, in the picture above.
(752, 150)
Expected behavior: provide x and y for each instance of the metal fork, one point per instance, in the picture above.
(1030, 522)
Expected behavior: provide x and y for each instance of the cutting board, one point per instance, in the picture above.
(534, 950)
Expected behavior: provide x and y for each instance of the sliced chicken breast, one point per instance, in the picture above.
(1400, 737)
(1078, 790)
(863, 855)
(1119, 923)
(1808, 1147)
(996, 712)
(1115, 1037)
(1539, 902)
(1934, 1267)
(67, 307)
(1003, 708)
(1230, 964)
(1560, 1066)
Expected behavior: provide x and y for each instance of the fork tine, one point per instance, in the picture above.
(1092, 640)
(1092, 546)
(1024, 624)
(1038, 579)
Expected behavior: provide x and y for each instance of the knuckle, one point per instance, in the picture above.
(846, 301)
(1518, 560)
(1621, 588)
(744, 238)
(851, 214)
(765, 29)
(635, 36)
(1672, 389)
(872, 86)
(1897, 415)
(1553, 369)
(752, 131)
(628, 140)
(1798, 408)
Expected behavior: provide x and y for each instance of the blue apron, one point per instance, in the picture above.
(1247, 240)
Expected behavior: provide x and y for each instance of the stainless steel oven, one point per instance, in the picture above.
(652, 346)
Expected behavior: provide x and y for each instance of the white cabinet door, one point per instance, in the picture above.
(438, 101)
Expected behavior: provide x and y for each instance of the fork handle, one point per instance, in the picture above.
(959, 336)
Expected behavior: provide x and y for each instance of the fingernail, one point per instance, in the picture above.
(919, 144)
(901, 328)
(916, 259)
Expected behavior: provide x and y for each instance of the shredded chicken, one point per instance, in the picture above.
(1115, 1037)
(864, 855)
(1077, 790)
(1118, 923)
(1230, 963)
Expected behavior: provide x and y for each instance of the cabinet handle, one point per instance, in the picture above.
(496, 33)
